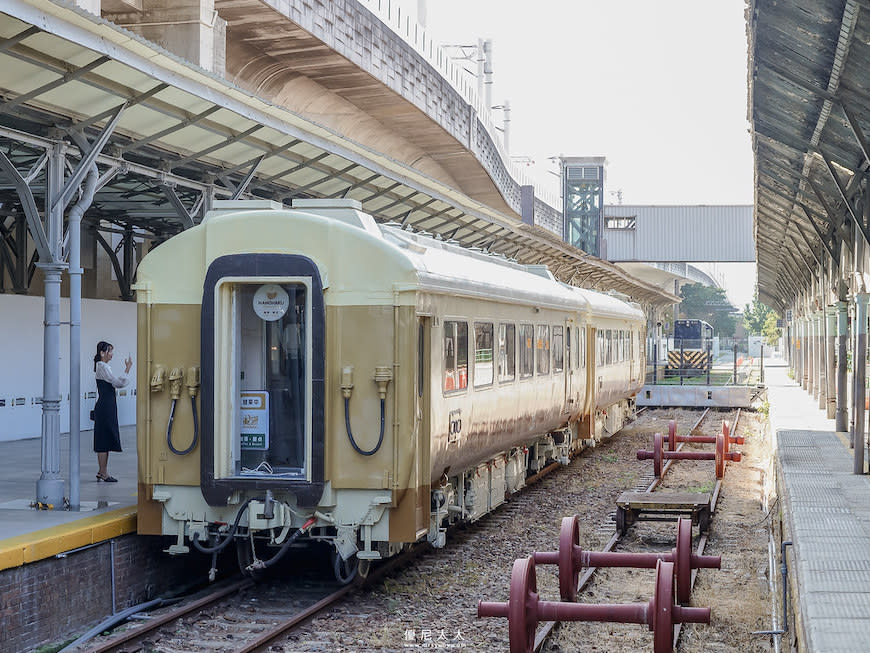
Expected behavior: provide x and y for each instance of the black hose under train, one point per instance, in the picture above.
(230, 534)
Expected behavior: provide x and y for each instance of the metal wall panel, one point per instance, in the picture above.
(621, 241)
(682, 233)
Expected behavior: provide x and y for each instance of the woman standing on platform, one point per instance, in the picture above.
(107, 435)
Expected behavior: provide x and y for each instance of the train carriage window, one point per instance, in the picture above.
(579, 361)
(608, 347)
(483, 337)
(421, 358)
(507, 352)
(614, 346)
(527, 350)
(274, 377)
(455, 356)
(558, 354)
(600, 349)
(542, 349)
(568, 342)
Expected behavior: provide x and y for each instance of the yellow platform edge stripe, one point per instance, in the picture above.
(39, 545)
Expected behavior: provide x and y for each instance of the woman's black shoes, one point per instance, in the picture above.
(107, 479)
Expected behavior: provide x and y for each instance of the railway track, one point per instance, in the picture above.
(242, 617)
(436, 593)
(647, 483)
(239, 616)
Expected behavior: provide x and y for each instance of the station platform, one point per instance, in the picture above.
(62, 572)
(826, 516)
(107, 509)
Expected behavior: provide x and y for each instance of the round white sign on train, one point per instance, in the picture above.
(271, 302)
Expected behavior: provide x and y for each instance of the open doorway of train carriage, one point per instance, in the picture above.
(422, 418)
(273, 336)
(570, 367)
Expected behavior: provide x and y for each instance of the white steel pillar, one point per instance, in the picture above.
(830, 357)
(842, 423)
(50, 486)
(859, 376)
(821, 369)
(806, 364)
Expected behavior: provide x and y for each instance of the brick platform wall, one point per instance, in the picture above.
(60, 598)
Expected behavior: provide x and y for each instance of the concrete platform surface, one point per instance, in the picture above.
(827, 514)
(106, 508)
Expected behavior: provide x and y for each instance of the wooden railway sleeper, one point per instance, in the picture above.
(571, 559)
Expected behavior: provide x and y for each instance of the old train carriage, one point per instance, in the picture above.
(314, 374)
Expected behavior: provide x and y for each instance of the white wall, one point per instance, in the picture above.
(21, 344)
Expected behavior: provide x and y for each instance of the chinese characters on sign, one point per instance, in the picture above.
(433, 638)
(254, 417)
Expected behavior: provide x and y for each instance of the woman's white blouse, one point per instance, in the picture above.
(104, 372)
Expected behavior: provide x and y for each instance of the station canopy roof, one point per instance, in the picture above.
(183, 133)
(809, 105)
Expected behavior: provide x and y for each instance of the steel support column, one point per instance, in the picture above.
(820, 392)
(859, 379)
(797, 361)
(50, 486)
(812, 352)
(806, 347)
(830, 358)
(842, 418)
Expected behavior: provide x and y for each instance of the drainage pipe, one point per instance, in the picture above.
(783, 567)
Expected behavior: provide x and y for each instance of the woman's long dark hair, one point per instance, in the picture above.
(102, 346)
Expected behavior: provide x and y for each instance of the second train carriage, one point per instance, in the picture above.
(360, 385)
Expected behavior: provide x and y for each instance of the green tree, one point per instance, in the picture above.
(724, 324)
(770, 331)
(700, 302)
(755, 316)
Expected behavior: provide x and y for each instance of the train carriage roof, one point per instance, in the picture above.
(609, 306)
(360, 260)
(445, 267)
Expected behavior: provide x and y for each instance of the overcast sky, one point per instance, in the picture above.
(657, 87)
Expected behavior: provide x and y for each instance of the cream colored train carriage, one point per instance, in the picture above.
(313, 374)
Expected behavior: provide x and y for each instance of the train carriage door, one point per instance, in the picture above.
(274, 336)
(422, 417)
(262, 355)
(569, 367)
(593, 360)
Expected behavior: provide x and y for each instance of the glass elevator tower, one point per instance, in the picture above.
(583, 202)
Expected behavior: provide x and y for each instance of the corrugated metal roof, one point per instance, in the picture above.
(679, 233)
(184, 131)
(809, 105)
